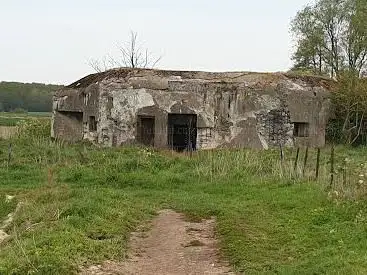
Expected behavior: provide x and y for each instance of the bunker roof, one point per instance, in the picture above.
(224, 77)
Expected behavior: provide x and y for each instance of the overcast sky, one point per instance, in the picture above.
(52, 41)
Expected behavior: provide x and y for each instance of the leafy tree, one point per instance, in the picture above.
(350, 109)
(331, 37)
(31, 97)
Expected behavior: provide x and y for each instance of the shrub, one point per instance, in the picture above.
(34, 128)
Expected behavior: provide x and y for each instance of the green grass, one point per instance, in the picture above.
(26, 114)
(6, 206)
(12, 119)
(40, 114)
(8, 121)
(81, 202)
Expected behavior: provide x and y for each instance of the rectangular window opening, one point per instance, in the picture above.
(92, 124)
(146, 130)
(301, 129)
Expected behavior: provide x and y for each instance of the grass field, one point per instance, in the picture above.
(26, 114)
(11, 119)
(81, 202)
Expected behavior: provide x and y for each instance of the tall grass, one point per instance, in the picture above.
(7, 132)
(8, 121)
(350, 177)
(81, 202)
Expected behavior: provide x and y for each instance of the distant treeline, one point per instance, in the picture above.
(31, 97)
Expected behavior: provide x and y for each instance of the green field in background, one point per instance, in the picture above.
(11, 119)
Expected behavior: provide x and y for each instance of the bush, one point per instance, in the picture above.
(349, 104)
(34, 128)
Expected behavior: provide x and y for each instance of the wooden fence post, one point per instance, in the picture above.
(9, 153)
(332, 159)
(344, 172)
(318, 163)
(281, 160)
(211, 152)
(305, 162)
(296, 161)
(281, 153)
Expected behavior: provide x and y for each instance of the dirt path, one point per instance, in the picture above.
(172, 246)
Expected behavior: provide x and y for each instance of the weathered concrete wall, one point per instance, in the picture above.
(72, 109)
(243, 114)
(68, 100)
(66, 112)
(90, 109)
(68, 125)
(233, 109)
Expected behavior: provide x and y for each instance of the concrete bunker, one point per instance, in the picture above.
(184, 110)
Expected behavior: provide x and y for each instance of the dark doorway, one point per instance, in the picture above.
(145, 133)
(182, 132)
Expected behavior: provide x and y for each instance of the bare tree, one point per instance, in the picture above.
(106, 63)
(132, 55)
